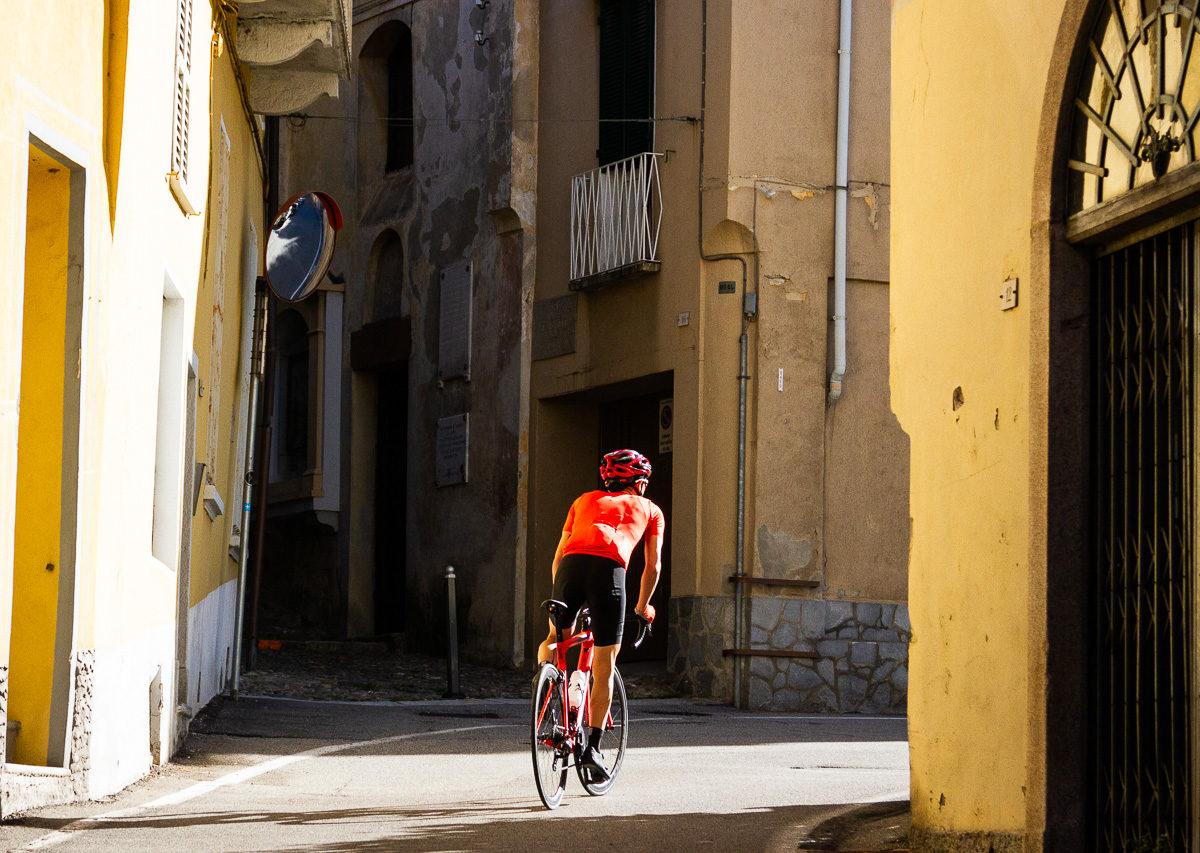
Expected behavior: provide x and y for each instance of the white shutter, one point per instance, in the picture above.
(183, 90)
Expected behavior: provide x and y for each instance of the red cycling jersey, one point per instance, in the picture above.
(610, 524)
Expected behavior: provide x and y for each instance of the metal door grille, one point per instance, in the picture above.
(1144, 506)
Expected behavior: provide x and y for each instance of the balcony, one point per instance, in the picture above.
(296, 51)
(616, 216)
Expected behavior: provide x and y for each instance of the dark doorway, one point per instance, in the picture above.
(391, 504)
(1143, 622)
(634, 422)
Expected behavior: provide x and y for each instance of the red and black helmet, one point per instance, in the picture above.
(624, 468)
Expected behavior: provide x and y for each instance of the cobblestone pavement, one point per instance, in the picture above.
(371, 672)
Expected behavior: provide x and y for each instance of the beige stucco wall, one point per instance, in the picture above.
(968, 85)
(826, 491)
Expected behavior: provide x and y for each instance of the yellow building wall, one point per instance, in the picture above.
(108, 110)
(225, 269)
(968, 82)
(39, 456)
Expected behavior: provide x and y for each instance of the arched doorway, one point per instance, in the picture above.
(1121, 206)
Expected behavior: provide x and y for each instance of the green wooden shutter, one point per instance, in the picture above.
(626, 78)
(639, 77)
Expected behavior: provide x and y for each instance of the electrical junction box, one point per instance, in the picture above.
(213, 505)
(1008, 295)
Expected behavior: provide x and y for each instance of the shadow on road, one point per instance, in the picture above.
(517, 825)
(676, 722)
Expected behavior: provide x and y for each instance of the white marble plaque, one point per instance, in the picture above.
(454, 323)
(453, 438)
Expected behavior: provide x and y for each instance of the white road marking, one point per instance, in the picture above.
(237, 777)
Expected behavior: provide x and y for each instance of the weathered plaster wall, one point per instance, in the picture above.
(467, 198)
(959, 161)
(826, 488)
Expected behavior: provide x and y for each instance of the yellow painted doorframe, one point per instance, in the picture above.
(46, 511)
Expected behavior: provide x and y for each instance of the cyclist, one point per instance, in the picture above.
(601, 531)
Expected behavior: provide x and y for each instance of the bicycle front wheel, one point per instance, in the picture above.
(613, 742)
(548, 736)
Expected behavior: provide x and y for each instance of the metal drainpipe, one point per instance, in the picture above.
(257, 350)
(743, 377)
(839, 216)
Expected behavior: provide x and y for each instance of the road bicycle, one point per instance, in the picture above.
(560, 717)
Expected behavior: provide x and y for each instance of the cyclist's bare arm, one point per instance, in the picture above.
(651, 572)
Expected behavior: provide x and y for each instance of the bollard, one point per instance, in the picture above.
(452, 691)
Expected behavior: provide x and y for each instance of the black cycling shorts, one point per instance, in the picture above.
(598, 582)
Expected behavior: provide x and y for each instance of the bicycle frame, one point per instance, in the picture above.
(581, 718)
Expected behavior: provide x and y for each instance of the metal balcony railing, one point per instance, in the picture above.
(616, 215)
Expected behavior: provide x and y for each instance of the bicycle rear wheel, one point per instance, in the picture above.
(548, 736)
(613, 743)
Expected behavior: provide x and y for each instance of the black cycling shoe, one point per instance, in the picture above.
(593, 761)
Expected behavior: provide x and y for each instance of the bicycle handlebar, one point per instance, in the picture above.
(642, 631)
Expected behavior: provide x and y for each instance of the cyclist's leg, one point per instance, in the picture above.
(569, 589)
(544, 653)
(604, 659)
(607, 602)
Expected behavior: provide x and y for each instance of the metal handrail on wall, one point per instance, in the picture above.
(616, 216)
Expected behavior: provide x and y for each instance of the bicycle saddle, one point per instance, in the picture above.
(556, 609)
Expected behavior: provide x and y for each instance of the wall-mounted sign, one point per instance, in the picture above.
(554, 326)
(666, 425)
(454, 323)
(453, 437)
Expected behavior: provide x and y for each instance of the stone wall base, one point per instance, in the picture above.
(946, 841)
(701, 629)
(3, 715)
(23, 787)
(860, 647)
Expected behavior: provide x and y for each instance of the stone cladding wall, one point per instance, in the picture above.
(862, 653)
(862, 656)
(701, 629)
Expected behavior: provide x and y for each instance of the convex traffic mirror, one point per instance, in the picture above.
(300, 245)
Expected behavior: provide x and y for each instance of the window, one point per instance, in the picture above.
(626, 79)
(168, 497)
(292, 349)
(386, 295)
(400, 103)
(385, 100)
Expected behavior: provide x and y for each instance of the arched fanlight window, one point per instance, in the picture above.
(1138, 99)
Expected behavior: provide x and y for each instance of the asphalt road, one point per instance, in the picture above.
(279, 775)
